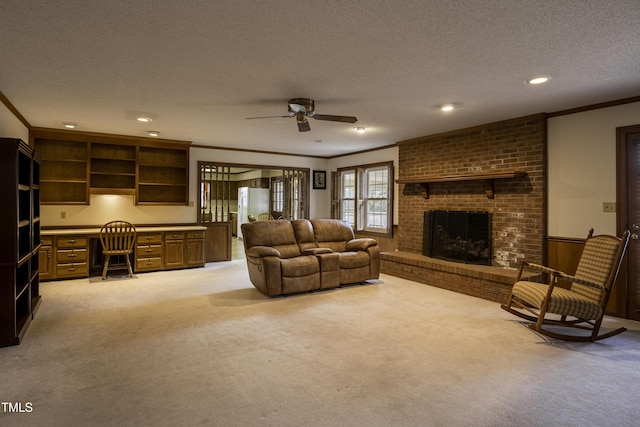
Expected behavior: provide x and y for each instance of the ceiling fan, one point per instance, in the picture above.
(302, 108)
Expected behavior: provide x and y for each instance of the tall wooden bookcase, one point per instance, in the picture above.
(20, 239)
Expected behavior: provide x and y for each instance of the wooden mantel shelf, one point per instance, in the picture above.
(487, 177)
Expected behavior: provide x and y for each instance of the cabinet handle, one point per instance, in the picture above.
(149, 250)
(72, 255)
(175, 236)
(71, 269)
(149, 238)
(148, 262)
(71, 241)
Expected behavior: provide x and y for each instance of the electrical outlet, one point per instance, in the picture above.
(63, 215)
(608, 206)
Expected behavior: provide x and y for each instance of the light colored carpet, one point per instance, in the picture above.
(203, 347)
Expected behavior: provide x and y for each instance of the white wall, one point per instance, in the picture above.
(103, 208)
(10, 126)
(582, 169)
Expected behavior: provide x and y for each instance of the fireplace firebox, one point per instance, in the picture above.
(460, 236)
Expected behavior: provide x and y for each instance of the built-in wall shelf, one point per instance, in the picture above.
(488, 178)
(78, 164)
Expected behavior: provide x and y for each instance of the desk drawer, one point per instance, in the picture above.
(76, 269)
(149, 238)
(71, 255)
(195, 235)
(154, 263)
(71, 242)
(148, 251)
(173, 235)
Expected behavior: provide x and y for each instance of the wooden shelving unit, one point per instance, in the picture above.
(65, 177)
(77, 164)
(163, 176)
(20, 234)
(488, 178)
(113, 168)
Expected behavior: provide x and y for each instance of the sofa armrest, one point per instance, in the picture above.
(361, 244)
(316, 251)
(262, 251)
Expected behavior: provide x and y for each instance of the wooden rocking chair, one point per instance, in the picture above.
(117, 238)
(580, 306)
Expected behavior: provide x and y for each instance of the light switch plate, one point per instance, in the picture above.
(608, 206)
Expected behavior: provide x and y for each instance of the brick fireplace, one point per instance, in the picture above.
(516, 202)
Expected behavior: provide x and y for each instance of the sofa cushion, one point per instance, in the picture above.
(276, 234)
(300, 266)
(354, 259)
(303, 231)
(332, 233)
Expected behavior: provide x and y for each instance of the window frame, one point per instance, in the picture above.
(361, 197)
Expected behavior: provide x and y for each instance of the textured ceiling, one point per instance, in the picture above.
(199, 68)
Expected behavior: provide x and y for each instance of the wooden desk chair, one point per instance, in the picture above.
(117, 238)
(265, 216)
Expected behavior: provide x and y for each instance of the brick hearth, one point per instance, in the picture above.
(482, 281)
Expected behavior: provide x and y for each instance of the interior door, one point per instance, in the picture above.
(629, 212)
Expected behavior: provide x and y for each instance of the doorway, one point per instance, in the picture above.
(228, 194)
(628, 216)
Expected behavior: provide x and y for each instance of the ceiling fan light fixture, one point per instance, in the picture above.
(69, 125)
(144, 119)
(153, 133)
(361, 129)
(303, 108)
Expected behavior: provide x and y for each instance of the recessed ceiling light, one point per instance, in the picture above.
(144, 119)
(153, 132)
(448, 107)
(537, 80)
(361, 129)
(69, 125)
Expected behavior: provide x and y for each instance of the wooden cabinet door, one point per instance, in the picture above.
(45, 262)
(174, 250)
(195, 252)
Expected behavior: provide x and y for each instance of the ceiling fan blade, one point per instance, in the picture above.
(330, 118)
(268, 117)
(303, 126)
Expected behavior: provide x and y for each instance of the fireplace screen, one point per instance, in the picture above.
(458, 236)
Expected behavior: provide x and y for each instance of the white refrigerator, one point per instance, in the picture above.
(251, 201)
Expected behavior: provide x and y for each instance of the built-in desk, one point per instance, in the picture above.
(76, 252)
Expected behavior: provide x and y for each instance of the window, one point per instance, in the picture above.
(277, 195)
(364, 197)
(376, 200)
(348, 197)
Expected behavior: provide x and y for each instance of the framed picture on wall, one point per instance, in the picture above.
(319, 180)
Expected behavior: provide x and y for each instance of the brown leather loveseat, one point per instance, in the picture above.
(285, 257)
